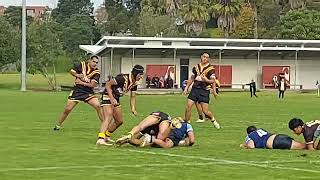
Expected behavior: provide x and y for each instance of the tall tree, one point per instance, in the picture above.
(13, 15)
(66, 8)
(9, 43)
(77, 30)
(195, 14)
(43, 48)
(152, 24)
(226, 11)
(245, 23)
(300, 24)
(255, 5)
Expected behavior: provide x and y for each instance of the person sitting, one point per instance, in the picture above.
(155, 80)
(148, 81)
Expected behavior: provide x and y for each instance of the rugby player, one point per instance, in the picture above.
(262, 139)
(86, 79)
(158, 124)
(182, 136)
(310, 131)
(114, 89)
(203, 77)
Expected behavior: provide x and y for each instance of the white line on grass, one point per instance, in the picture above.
(249, 163)
(106, 166)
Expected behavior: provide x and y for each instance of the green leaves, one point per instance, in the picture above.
(300, 24)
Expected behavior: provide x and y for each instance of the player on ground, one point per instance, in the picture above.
(260, 138)
(158, 124)
(114, 89)
(203, 77)
(182, 136)
(86, 78)
(310, 131)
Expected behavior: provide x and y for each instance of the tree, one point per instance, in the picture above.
(226, 11)
(245, 23)
(195, 14)
(292, 4)
(13, 15)
(9, 43)
(77, 30)
(269, 18)
(43, 48)
(300, 24)
(151, 24)
(66, 8)
(171, 6)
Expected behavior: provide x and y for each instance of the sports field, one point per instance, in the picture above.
(31, 150)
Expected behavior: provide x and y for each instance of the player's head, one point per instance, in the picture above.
(137, 72)
(93, 61)
(250, 129)
(296, 125)
(205, 58)
(176, 123)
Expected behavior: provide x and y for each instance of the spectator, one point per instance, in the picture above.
(155, 80)
(161, 82)
(148, 81)
(253, 88)
(282, 85)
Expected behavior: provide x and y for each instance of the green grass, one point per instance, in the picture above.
(37, 81)
(31, 150)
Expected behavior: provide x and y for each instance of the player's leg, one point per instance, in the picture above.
(94, 102)
(188, 110)
(164, 130)
(66, 111)
(200, 113)
(107, 111)
(208, 114)
(148, 121)
(297, 145)
(118, 119)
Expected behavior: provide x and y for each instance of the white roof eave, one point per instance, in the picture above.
(93, 49)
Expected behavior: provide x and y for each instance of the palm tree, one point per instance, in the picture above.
(254, 4)
(171, 6)
(195, 14)
(226, 11)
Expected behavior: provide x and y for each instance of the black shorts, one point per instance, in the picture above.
(105, 100)
(199, 95)
(151, 130)
(78, 94)
(282, 141)
(161, 115)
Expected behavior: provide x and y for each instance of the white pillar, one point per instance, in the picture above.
(133, 57)
(219, 63)
(258, 70)
(295, 69)
(23, 48)
(174, 64)
(111, 64)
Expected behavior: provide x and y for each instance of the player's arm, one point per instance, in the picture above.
(248, 143)
(92, 83)
(108, 86)
(310, 146)
(133, 96)
(167, 143)
(189, 82)
(74, 70)
(191, 138)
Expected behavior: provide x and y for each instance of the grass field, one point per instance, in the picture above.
(31, 150)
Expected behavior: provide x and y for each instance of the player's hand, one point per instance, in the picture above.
(134, 112)
(205, 79)
(113, 101)
(86, 79)
(78, 81)
(243, 146)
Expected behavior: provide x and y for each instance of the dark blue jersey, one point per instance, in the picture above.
(179, 134)
(259, 137)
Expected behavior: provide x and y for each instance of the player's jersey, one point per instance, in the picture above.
(311, 131)
(259, 137)
(206, 71)
(179, 134)
(85, 69)
(125, 83)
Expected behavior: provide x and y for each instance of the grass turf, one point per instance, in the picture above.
(31, 150)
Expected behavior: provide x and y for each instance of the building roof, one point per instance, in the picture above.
(117, 42)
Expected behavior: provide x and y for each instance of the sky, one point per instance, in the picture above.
(50, 3)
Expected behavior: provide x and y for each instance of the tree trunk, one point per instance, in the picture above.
(255, 22)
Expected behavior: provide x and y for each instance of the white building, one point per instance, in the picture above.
(237, 60)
